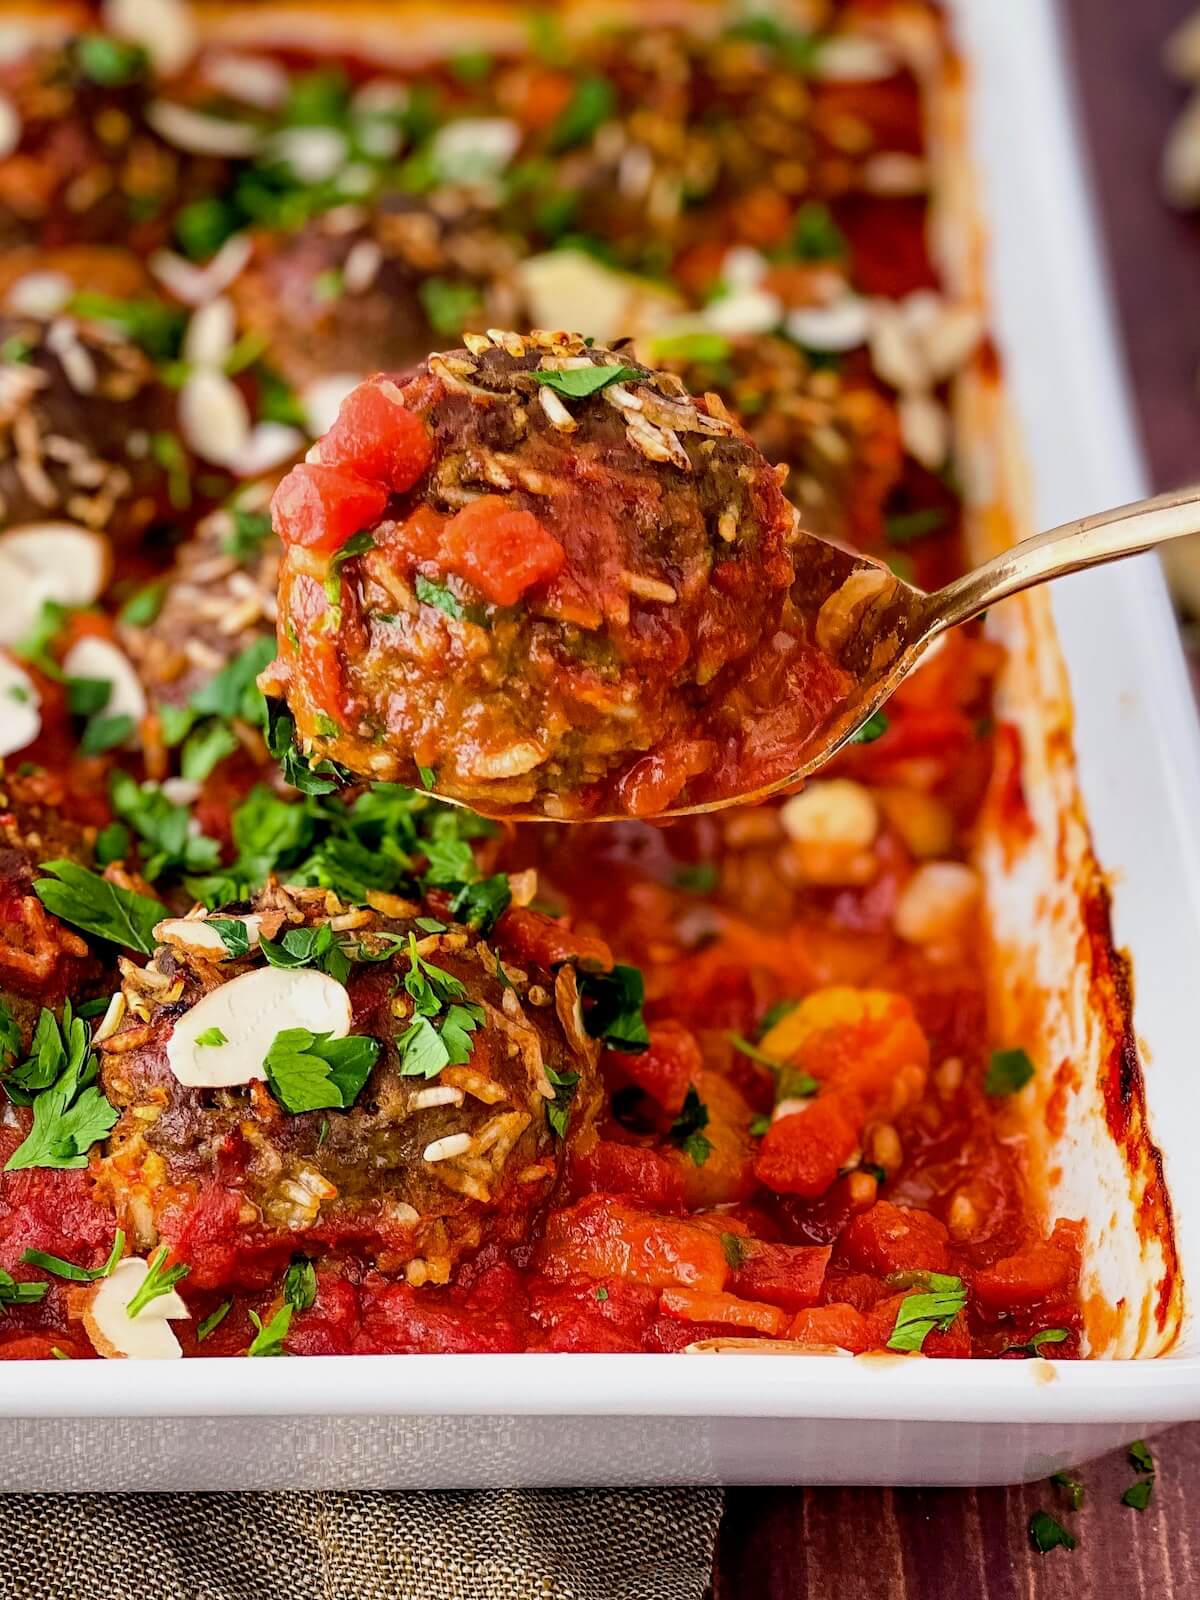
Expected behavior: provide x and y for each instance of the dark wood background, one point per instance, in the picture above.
(943, 1544)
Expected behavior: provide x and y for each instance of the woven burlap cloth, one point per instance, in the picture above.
(618, 1544)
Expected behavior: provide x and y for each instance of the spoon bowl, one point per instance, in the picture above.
(876, 628)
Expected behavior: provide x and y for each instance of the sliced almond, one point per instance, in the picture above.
(197, 936)
(165, 29)
(842, 325)
(70, 564)
(568, 289)
(200, 134)
(322, 399)
(268, 445)
(40, 294)
(249, 1011)
(257, 80)
(210, 334)
(213, 417)
(20, 707)
(194, 285)
(92, 657)
(474, 149)
(116, 1335)
(314, 155)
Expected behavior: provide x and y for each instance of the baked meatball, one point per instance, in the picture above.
(83, 417)
(379, 295)
(539, 576)
(446, 1144)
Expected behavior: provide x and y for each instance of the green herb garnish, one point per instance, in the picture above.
(68, 1269)
(687, 1129)
(919, 1314)
(1046, 1533)
(159, 1280)
(314, 1072)
(576, 383)
(1008, 1071)
(615, 1010)
(268, 1339)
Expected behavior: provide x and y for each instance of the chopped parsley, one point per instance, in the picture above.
(873, 728)
(268, 1338)
(10, 1034)
(614, 1011)
(1008, 1071)
(942, 1299)
(1140, 1458)
(211, 1038)
(590, 106)
(1033, 1346)
(250, 530)
(791, 1083)
(13, 1293)
(159, 1280)
(88, 901)
(1138, 1494)
(687, 1131)
(700, 878)
(106, 733)
(1046, 1533)
(444, 599)
(1072, 1488)
(909, 526)
(448, 304)
(110, 62)
(815, 235)
(154, 327)
(144, 605)
(59, 1080)
(558, 1110)
(167, 838)
(735, 1249)
(576, 383)
(213, 1320)
(300, 1285)
(68, 1269)
(314, 1072)
(444, 1020)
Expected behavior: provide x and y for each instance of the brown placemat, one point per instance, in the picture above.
(606, 1544)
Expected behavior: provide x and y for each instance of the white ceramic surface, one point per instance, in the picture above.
(466, 1420)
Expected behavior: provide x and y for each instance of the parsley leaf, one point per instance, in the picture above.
(1138, 1494)
(480, 905)
(448, 304)
(313, 1072)
(87, 901)
(1047, 1533)
(233, 692)
(209, 744)
(873, 728)
(110, 62)
(211, 1038)
(213, 1321)
(159, 1280)
(1140, 1458)
(687, 1129)
(250, 531)
(558, 1110)
(1033, 1346)
(1008, 1071)
(268, 1339)
(164, 828)
(912, 525)
(233, 934)
(815, 235)
(13, 1293)
(920, 1313)
(615, 1010)
(105, 733)
(591, 104)
(698, 879)
(69, 1112)
(576, 383)
(68, 1269)
(438, 595)
(736, 1250)
(300, 1285)
(1072, 1488)
(143, 606)
(10, 1033)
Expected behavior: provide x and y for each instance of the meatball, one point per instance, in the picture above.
(41, 960)
(562, 571)
(82, 414)
(328, 299)
(432, 1158)
(218, 602)
(835, 431)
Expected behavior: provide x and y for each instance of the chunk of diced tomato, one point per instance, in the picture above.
(583, 1314)
(668, 1068)
(376, 436)
(788, 1275)
(692, 1305)
(1024, 1279)
(600, 1237)
(802, 1153)
(630, 1169)
(890, 1238)
(320, 506)
(524, 935)
(838, 1326)
(503, 551)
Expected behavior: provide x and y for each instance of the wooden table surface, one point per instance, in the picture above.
(944, 1544)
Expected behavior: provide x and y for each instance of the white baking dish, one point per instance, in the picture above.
(468, 1420)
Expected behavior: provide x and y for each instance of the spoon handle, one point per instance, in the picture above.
(1086, 542)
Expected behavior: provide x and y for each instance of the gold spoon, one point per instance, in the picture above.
(877, 628)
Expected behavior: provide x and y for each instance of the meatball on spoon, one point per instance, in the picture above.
(538, 578)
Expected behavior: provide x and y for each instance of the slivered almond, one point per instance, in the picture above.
(115, 1334)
